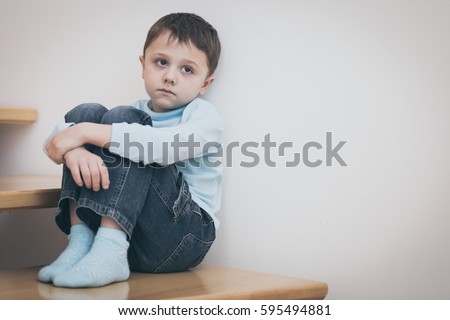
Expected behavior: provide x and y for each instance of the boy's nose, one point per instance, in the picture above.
(170, 77)
(167, 80)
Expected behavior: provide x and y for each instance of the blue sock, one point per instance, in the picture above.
(80, 242)
(107, 262)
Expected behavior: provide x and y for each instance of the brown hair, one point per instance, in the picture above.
(188, 28)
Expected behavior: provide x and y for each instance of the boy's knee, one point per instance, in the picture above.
(86, 112)
(126, 114)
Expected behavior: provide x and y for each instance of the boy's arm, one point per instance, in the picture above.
(77, 136)
(198, 135)
(145, 144)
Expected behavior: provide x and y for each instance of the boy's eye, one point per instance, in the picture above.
(186, 69)
(161, 62)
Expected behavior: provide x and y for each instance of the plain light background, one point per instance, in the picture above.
(374, 73)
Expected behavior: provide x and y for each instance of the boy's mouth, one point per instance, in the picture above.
(167, 91)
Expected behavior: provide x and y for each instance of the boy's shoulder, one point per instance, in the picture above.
(200, 104)
(142, 104)
(200, 108)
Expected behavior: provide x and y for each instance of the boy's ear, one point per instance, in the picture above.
(206, 84)
(142, 60)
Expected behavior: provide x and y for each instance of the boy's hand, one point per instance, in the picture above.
(63, 142)
(87, 169)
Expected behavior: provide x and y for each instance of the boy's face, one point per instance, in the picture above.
(174, 74)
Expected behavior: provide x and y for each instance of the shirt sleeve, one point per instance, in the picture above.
(199, 132)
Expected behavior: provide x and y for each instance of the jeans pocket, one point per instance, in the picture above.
(183, 202)
(189, 253)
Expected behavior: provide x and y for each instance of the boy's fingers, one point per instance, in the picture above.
(95, 176)
(77, 177)
(75, 172)
(86, 175)
(104, 174)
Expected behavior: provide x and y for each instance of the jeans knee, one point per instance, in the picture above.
(86, 112)
(126, 114)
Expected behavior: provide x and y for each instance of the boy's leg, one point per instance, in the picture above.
(88, 112)
(80, 237)
(113, 212)
(173, 233)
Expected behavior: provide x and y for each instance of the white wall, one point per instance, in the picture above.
(375, 73)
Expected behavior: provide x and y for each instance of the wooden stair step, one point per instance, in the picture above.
(204, 282)
(17, 115)
(19, 192)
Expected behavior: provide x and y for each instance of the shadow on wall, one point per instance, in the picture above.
(29, 238)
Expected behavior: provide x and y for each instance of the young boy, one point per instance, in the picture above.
(139, 190)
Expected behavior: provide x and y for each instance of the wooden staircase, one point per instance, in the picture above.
(20, 192)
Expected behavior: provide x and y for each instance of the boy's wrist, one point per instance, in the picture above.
(94, 133)
(82, 132)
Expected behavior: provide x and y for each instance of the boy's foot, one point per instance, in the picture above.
(106, 263)
(80, 242)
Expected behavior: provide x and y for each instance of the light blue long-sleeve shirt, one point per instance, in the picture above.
(190, 137)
